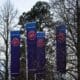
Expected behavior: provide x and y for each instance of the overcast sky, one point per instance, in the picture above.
(23, 5)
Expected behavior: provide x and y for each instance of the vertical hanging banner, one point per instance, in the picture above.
(40, 52)
(31, 45)
(61, 48)
(15, 53)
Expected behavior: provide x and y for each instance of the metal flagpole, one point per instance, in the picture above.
(26, 56)
(35, 76)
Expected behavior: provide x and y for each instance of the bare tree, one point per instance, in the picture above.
(7, 21)
(65, 11)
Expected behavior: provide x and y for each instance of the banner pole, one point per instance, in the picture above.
(26, 56)
(35, 76)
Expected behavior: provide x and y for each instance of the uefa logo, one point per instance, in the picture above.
(31, 35)
(40, 43)
(15, 42)
(61, 37)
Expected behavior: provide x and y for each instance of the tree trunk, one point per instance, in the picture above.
(7, 38)
(6, 75)
(78, 37)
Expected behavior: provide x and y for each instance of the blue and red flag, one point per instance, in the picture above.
(15, 53)
(31, 45)
(40, 52)
(61, 48)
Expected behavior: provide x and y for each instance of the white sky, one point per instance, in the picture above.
(23, 5)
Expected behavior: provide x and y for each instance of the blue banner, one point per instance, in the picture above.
(15, 53)
(61, 48)
(31, 45)
(40, 52)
